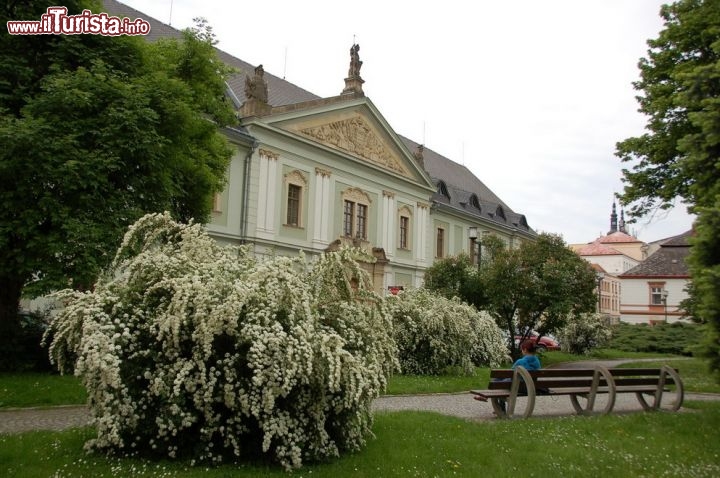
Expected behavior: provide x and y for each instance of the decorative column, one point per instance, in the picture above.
(267, 193)
(388, 223)
(422, 232)
(322, 208)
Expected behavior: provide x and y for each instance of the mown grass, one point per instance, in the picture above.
(694, 372)
(41, 390)
(424, 444)
(34, 389)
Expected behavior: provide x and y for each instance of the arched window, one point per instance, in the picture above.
(500, 212)
(474, 201)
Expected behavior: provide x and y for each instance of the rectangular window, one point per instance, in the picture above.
(440, 243)
(404, 227)
(293, 205)
(656, 295)
(348, 218)
(361, 221)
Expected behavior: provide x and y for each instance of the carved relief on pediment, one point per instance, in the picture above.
(355, 136)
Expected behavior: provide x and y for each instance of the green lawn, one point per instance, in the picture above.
(425, 444)
(40, 390)
(694, 373)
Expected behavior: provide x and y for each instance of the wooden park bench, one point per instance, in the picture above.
(582, 386)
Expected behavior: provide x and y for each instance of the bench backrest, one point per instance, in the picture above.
(500, 379)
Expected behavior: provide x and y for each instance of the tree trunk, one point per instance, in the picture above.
(10, 293)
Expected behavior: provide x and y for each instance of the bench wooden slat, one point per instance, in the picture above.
(546, 372)
(586, 383)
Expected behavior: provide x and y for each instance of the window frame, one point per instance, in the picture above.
(356, 214)
(656, 290)
(404, 235)
(439, 242)
(293, 205)
(298, 180)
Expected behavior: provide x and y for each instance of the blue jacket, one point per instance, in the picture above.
(530, 362)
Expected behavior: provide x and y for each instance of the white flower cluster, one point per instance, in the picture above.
(191, 349)
(434, 334)
(585, 332)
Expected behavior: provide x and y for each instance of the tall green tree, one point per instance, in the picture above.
(456, 276)
(94, 133)
(539, 286)
(679, 156)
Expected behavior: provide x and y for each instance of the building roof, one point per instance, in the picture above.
(598, 249)
(681, 240)
(461, 183)
(618, 237)
(668, 261)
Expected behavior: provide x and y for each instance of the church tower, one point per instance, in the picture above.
(613, 220)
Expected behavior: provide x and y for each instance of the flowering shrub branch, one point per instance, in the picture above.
(584, 333)
(191, 349)
(434, 334)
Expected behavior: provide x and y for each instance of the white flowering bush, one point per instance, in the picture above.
(585, 332)
(435, 334)
(190, 349)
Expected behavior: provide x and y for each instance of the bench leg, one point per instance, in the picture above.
(600, 374)
(500, 407)
(660, 393)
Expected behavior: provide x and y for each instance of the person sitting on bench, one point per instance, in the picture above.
(529, 361)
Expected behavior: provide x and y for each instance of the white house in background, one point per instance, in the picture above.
(610, 259)
(608, 290)
(653, 290)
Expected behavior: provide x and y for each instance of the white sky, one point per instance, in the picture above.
(530, 95)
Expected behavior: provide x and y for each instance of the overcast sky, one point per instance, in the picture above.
(531, 96)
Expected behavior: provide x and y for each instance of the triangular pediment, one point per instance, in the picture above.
(358, 137)
(356, 130)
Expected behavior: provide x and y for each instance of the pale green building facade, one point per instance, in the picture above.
(313, 173)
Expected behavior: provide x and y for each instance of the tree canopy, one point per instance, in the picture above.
(539, 286)
(679, 156)
(95, 132)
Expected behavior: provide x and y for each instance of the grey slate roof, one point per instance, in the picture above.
(680, 240)
(668, 261)
(461, 183)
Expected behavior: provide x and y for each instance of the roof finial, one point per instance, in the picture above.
(353, 83)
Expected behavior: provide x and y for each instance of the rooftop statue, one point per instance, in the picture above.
(256, 87)
(355, 62)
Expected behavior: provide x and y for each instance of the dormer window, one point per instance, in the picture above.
(500, 212)
(474, 202)
(442, 189)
